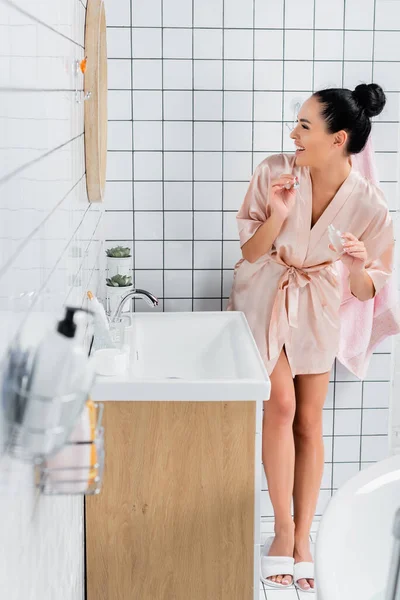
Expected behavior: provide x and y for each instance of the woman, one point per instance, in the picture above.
(288, 287)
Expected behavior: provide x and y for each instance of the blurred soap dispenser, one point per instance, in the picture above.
(62, 375)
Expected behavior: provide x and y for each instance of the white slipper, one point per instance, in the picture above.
(275, 565)
(304, 570)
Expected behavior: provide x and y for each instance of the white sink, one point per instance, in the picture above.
(189, 356)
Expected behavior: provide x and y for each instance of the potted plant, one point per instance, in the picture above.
(117, 287)
(119, 261)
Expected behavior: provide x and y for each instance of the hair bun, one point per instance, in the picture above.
(371, 98)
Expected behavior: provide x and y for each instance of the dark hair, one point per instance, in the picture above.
(352, 111)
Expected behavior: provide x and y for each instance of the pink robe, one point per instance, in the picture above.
(291, 296)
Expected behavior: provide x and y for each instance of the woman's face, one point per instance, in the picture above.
(315, 146)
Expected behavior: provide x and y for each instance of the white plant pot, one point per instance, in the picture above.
(114, 297)
(119, 266)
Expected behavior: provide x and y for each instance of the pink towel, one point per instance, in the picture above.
(365, 324)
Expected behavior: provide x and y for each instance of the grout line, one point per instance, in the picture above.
(132, 303)
(222, 156)
(193, 159)
(162, 152)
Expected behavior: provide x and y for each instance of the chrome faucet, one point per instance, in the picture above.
(147, 296)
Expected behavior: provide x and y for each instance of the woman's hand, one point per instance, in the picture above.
(355, 254)
(282, 199)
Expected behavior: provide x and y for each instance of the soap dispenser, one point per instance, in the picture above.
(61, 379)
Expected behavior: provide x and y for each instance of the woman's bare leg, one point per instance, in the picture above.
(311, 393)
(278, 458)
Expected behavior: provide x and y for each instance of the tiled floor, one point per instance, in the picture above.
(267, 529)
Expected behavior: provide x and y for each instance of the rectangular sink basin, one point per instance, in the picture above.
(189, 356)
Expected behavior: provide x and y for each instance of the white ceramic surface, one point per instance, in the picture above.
(354, 541)
(189, 356)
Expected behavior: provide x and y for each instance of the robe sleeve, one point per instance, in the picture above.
(255, 209)
(379, 243)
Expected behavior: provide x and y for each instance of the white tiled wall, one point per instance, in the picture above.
(50, 239)
(200, 92)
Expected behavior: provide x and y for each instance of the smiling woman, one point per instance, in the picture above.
(288, 286)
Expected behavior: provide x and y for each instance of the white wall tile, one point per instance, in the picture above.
(149, 255)
(208, 226)
(118, 195)
(178, 135)
(238, 44)
(177, 305)
(299, 15)
(356, 73)
(119, 166)
(329, 15)
(207, 255)
(208, 136)
(118, 13)
(178, 284)
(147, 195)
(178, 105)
(238, 14)
(147, 105)
(298, 75)
(329, 45)
(145, 14)
(208, 195)
(234, 193)
(348, 395)
(119, 135)
(207, 284)
(208, 13)
(237, 166)
(360, 14)
(268, 44)
(118, 42)
(374, 448)
(387, 15)
(238, 106)
(267, 136)
(207, 106)
(268, 75)
(347, 448)
(147, 166)
(148, 225)
(238, 75)
(347, 422)
(177, 43)
(119, 74)
(386, 46)
(268, 14)
(146, 43)
(177, 195)
(298, 44)
(207, 166)
(147, 74)
(327, 74)
(343, 472)
(151, 281)
(208, 74)
(178, 225)
(207, 43)
(358, 45)
(178, 166)
(177, 74)
(177, 13)
(178, 255)
(238, 136)
(147, 135)
(376, 394)
(375, 421)
(119, 105)
(230, 226)
(267, 106)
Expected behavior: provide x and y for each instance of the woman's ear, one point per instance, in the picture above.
(340, 139)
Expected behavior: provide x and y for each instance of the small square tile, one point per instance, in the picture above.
(388, 77)
(208, 136)
(177, 13)
(207, 284)
(298, 75)
(208, 74)
(177, 166)
(238, 75)
(177, 305)
(360, 14)
(208, 13)
(238, 136)
(147, 105)
(347, 422)
(298, 44)
(178, 255)
(267, 137)
(151, 281)
(178, 225)
(207, 304)
(145, 14)
(238, 106)
(269, 15)
(147, 74)
(329, 15)
(118, 195)
(358, 45)
(268, 75)
(234, 193)
(299, 15)
(208, 226)
(376, 394)
(342, 472)
(177, 74)
(356, 73)
(148, 255)
(327, 74)
(387, 15)
(208, 195)
(238, 13)
(268, 44)
(177, 43)
(118, 13)
(347, 448)
(177, 284)
(147, 135)
(375, 421)
(178, 106)
(207, 166)
(177, 135)
(119, 74)
(118, 42)
(147, 166)
(230, 226)
(148, 225)
(386, 46)
(386, 165)
(119, 135)
(329, 45)
(207, 106)
(237, 166)
(207, 255)
(267, 106)
(119, 105)
(177, 195)
(207, 43)
(385, 137)
(147, 195)
(374, 448)
(119, 166)
(238, 43)
(118, 225)
(146, 43)
(348, 394)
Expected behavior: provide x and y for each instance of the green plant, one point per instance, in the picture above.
(118, 252)
(119, 281)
